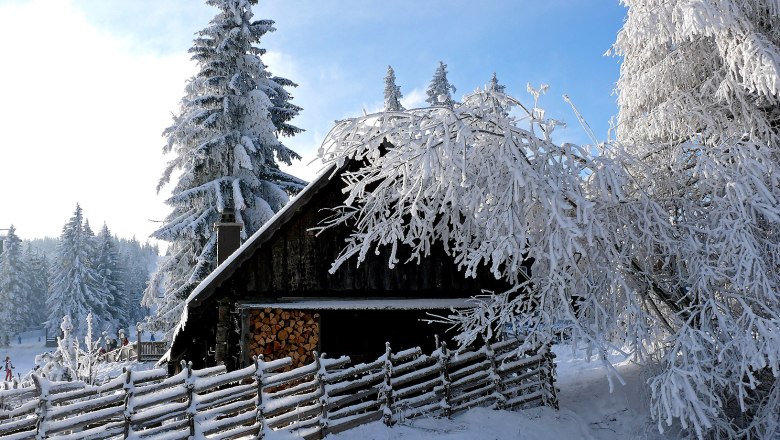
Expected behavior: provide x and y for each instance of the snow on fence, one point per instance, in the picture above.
(323, 397)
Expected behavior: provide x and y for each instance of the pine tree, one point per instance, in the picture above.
(14, 287)
(136, 262)
(225, 138)
(76, 289)
(494, 86)
(38, 279)
(392, 93)
(440, 90)
(108, 269)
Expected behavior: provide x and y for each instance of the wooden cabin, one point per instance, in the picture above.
(275, 296)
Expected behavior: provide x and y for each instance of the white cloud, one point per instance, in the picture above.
(414, 99)
(81, 119)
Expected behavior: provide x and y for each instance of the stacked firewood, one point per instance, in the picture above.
(277, 333)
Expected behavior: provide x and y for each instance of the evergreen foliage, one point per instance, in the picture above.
(136, 263)
(110, 275)
(440, 90)
(392, 93)
(14, 287)
(225, 141)
(76, 288)
(37, 266)
(494, 86)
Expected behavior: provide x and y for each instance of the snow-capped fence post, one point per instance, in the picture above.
(128, 410)
(189, 384)
(498, 391)
(547, 377)
(42, 389)
(444, 375)
(259, 417)
(386, 390)
(324, 399)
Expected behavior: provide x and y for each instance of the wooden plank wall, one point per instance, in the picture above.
(295, 262)
(324, 396)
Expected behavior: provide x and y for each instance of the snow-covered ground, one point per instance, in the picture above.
(23, 355)
(587, 409)
(33, 343)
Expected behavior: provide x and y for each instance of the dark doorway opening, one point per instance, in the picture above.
(361, 334)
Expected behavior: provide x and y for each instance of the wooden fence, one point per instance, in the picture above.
(323, 397)
(150, 350)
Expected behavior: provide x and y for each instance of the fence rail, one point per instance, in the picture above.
(326, 396)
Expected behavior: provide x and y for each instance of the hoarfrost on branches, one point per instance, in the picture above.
(666, 242)
(70, 361)
(495, 190)
(699, 97)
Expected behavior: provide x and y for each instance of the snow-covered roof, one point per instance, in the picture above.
(363, 304)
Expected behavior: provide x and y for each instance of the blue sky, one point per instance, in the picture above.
(89, 85)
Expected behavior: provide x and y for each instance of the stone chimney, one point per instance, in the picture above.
(228, 234)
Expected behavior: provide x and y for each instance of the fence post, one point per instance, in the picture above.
(324, 398)
(189, 384)
(42, 388)
(259, 374)
(444, 374)
(547, 377)
(498, 389)
(138, 342)
(386, 392)
(129, 392)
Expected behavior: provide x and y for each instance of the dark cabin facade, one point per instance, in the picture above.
(275, 296)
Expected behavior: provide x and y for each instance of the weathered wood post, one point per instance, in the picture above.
(128, 411)
(547, 377)
(444, 375)
(324, 399)
(386, 391)
(42, 389)
(138, 344)
(495, 377)
(189, 384)
(259, 374)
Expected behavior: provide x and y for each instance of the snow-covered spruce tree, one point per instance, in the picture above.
(136, 261)
(440, 90)
(76, 289)
(392, 92)
(699, 107)
(494, 86)
(225, 137)
(109, 272)
(104, 307)
(14, 287)
(38, 278)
